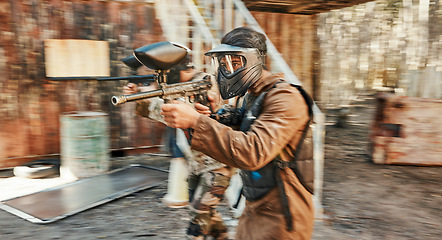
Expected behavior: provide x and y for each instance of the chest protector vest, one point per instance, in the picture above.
(258, 183)
(255, 183)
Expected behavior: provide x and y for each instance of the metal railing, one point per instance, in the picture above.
(183, 23)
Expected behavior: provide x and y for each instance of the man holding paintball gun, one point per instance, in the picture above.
(208, 179)
(276, 114)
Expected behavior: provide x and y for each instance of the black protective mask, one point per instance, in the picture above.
(237, 68)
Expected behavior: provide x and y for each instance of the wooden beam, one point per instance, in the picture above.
(308, 7)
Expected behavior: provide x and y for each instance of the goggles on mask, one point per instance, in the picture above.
(229, 50)
(229, 64)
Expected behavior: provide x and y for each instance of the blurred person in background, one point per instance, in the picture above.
(275, 115)
(208, 179)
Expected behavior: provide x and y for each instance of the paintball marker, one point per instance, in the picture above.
(161, 57)
(197, 89)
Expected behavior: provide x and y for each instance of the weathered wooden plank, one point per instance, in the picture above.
(300, 6)
(285, 39)
(293, 36)
(407, 130)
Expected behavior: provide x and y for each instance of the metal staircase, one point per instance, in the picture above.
(200, 24)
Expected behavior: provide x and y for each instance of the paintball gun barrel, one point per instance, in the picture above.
(198, 89)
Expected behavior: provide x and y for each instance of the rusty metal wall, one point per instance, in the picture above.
(31, 104)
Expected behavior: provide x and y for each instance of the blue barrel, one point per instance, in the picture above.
(84, 144)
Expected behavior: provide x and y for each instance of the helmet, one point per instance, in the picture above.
(237, 68)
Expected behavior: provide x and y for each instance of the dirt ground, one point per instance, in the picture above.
(360, 200)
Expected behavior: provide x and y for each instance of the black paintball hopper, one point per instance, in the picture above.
(131, 62)
(161, 55)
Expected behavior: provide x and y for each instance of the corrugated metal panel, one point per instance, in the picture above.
(57, 203)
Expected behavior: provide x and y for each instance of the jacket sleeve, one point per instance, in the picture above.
(284, 115)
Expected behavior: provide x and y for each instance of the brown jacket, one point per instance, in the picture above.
(276, 131)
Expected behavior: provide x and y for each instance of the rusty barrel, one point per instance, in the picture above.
(84, 143)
